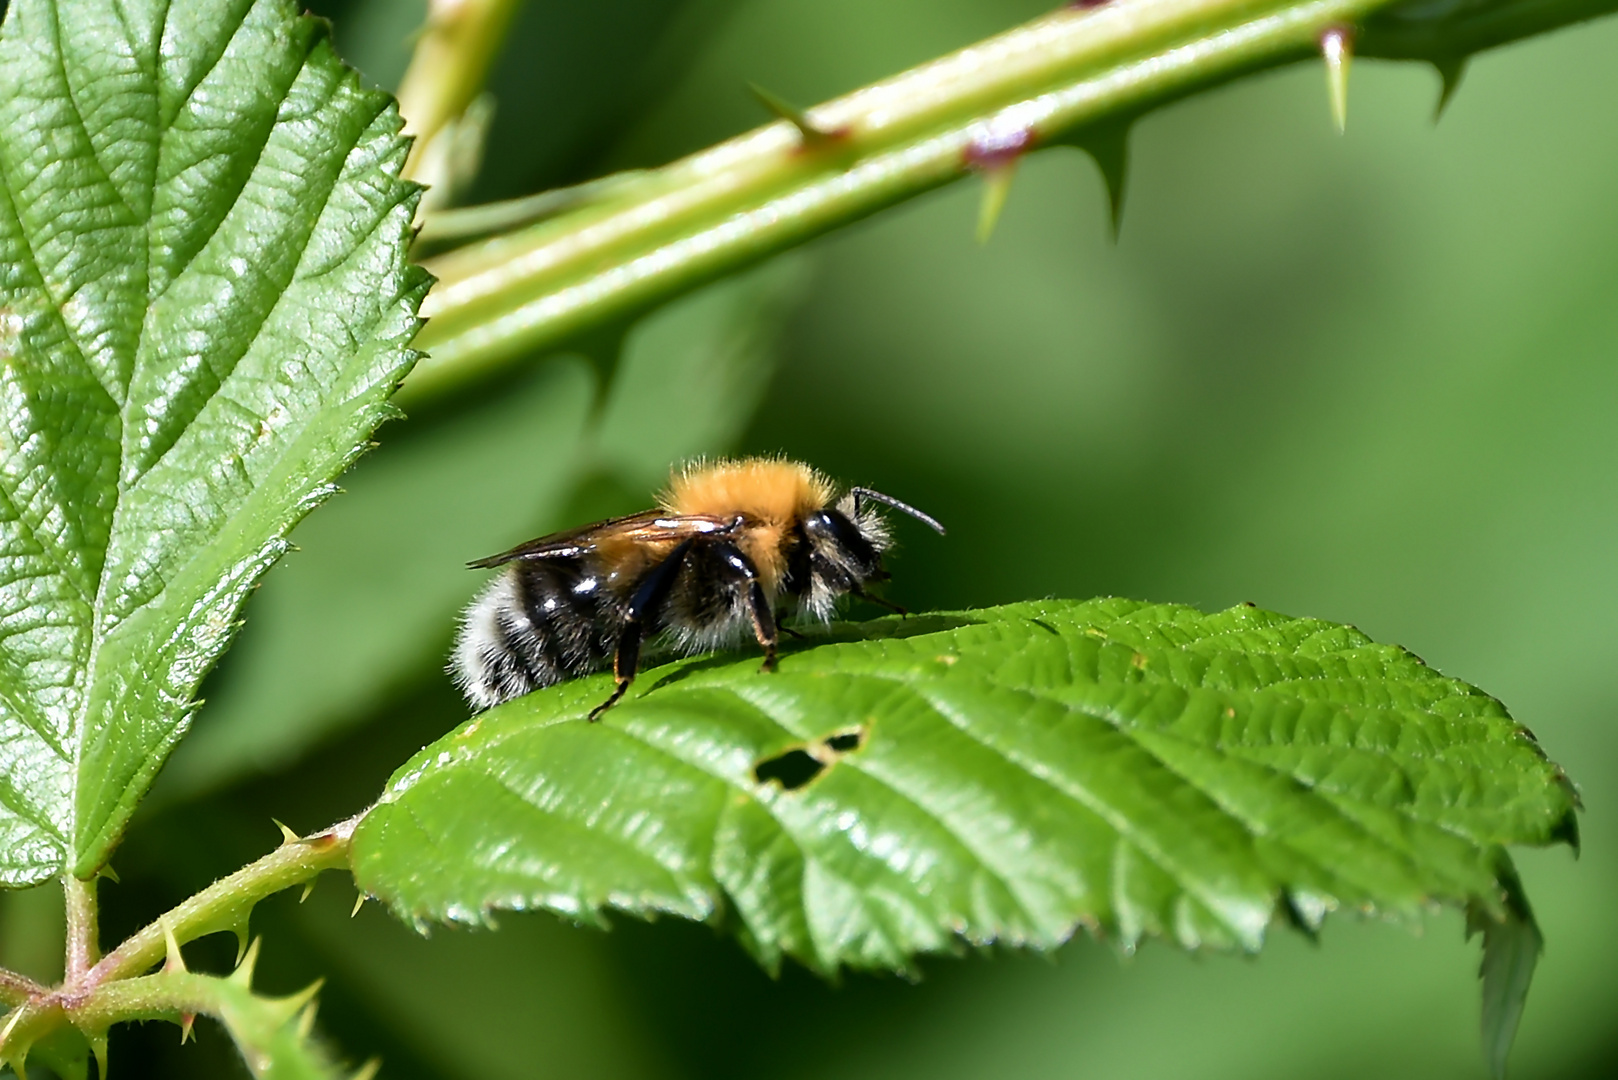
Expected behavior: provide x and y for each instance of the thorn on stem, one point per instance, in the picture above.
(14, 1055)
(1450, 70)
(243, 975)
(811, 133)
(172, 961)
(98, 1047)
(359, 902)
(996, 186)
(1337, 46)
(994, 151)
(287, 835)
(1108, 147)
(308, 887)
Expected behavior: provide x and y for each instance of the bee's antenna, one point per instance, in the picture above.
(888, 500)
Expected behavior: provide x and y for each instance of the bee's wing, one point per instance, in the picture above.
(649, 526)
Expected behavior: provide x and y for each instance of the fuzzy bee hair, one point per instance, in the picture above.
(730, 541)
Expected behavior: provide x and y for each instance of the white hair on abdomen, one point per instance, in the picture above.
(483, 643)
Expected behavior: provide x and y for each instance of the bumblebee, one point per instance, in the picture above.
(729, 541)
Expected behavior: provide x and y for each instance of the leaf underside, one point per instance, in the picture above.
(204, 305)
(1004, 775)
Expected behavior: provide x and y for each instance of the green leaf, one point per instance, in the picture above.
(204, 306)
(1005, 775)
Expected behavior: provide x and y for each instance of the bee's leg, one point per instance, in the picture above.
(744, 575)
(644, 608)
(625, 662)
(764, 626)
(890, 605)
(785, 629)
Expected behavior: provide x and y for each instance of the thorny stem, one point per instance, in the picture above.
(226, 904)
(97, 992)
(1088, 64)
(83, 935)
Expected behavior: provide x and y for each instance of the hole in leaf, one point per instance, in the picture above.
(792, 770)
(845, 741)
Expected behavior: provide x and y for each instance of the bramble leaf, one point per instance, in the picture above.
(1004, 775)
(204, 305)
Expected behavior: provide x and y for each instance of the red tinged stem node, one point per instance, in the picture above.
(995, 147)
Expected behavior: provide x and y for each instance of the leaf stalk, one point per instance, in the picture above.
(83, 933)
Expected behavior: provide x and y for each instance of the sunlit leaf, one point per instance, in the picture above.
(204, 305)
(1005, 775)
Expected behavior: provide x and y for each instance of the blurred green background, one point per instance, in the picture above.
(1370, 378)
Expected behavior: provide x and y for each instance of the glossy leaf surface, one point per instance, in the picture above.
(204, 306)
(1007, 775)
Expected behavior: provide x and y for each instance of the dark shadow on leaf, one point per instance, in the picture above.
(892, 627)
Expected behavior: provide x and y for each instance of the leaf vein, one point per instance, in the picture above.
(269, 316)
(60, 55)
(1089, 800)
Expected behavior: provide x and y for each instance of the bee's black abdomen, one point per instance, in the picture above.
(539, 622)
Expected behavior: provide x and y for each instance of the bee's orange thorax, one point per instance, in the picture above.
(771, 494)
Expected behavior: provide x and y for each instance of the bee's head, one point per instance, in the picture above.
(842, 548)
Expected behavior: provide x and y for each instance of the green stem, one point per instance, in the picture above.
(175, 995)
(227, 903)
(453, 55)
(17, 989)
(110, 990)
(768, 189)
(83, 940)
(772, 188)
